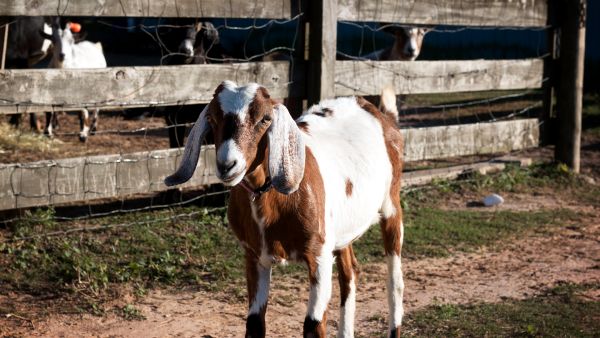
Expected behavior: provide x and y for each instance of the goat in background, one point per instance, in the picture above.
(70, 54)
(199, 45)
(305, 190)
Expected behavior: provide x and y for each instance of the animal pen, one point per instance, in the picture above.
(311, 73)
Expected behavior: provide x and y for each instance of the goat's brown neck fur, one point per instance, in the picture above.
(292, 224)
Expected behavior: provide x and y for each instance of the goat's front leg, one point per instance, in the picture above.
(392, 230)
(320, 271)
(258, 278)
(84, 129)
(48, 130)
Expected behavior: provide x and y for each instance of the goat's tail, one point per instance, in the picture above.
(387, 104)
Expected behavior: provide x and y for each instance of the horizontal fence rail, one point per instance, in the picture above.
(44, 89)
(99, 177)
(504, 13)
(422, 77)
(96, 177)
(264, 9)
(470, 139)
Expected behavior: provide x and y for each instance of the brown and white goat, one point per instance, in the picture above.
(305, 190)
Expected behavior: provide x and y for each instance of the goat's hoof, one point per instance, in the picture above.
(82, 138)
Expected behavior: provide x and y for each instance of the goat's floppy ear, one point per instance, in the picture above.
(286, 152)
(192, 151)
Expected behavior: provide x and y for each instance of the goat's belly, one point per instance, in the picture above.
(348, 234)
(355, 217)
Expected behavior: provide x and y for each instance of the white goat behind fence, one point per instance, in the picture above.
(70, 54)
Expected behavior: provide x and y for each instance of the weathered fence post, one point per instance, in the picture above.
(569, 89)
(322, 50)
(3, 44)
(548, 127)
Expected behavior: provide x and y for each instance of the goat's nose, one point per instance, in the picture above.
(225, 167)
(61, 56)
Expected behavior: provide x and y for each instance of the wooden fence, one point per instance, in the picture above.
(321, 76)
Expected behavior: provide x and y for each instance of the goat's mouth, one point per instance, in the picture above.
(232, 179)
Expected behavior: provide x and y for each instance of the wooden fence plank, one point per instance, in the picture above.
(265, 9)
(95, 177)
(38, 89)
(507, 13)
(420, 77)
(469, 139)
(322, 51)
(111, 176)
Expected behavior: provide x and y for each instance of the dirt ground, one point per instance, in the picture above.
(115, 136)
(519, 270)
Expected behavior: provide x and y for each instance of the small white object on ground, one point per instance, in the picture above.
(492, 200)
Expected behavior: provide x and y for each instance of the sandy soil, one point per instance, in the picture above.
(521, 269)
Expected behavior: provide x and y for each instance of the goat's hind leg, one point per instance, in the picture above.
(348, 277)
(94, 126)
(392, 230)
(49, 129)
(258, 278)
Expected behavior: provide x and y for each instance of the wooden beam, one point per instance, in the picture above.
(507, 13)
(569, 92)
(547, 116)
(39, 89)
(264, 9)
(420, 77)
(470, 139)
(322, 50)
(3, 44)
(422, 177)
(96, 177)
(119, 176)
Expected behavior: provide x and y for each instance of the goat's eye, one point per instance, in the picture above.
(266, 119)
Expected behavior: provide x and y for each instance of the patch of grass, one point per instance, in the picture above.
(12, 139)
(560, 312)
(198, 250)
(130, 312)
(435, 232)
(554, 178)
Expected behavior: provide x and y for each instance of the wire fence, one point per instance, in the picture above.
(134, 170)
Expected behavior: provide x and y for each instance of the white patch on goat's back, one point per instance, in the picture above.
(395, 290)
(236, 99)
(349, 144)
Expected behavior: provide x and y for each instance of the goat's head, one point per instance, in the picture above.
(198, 39)
(249, 128)
(62, 42)
(408, 41)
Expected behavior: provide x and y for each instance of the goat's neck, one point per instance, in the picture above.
(258, 176)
